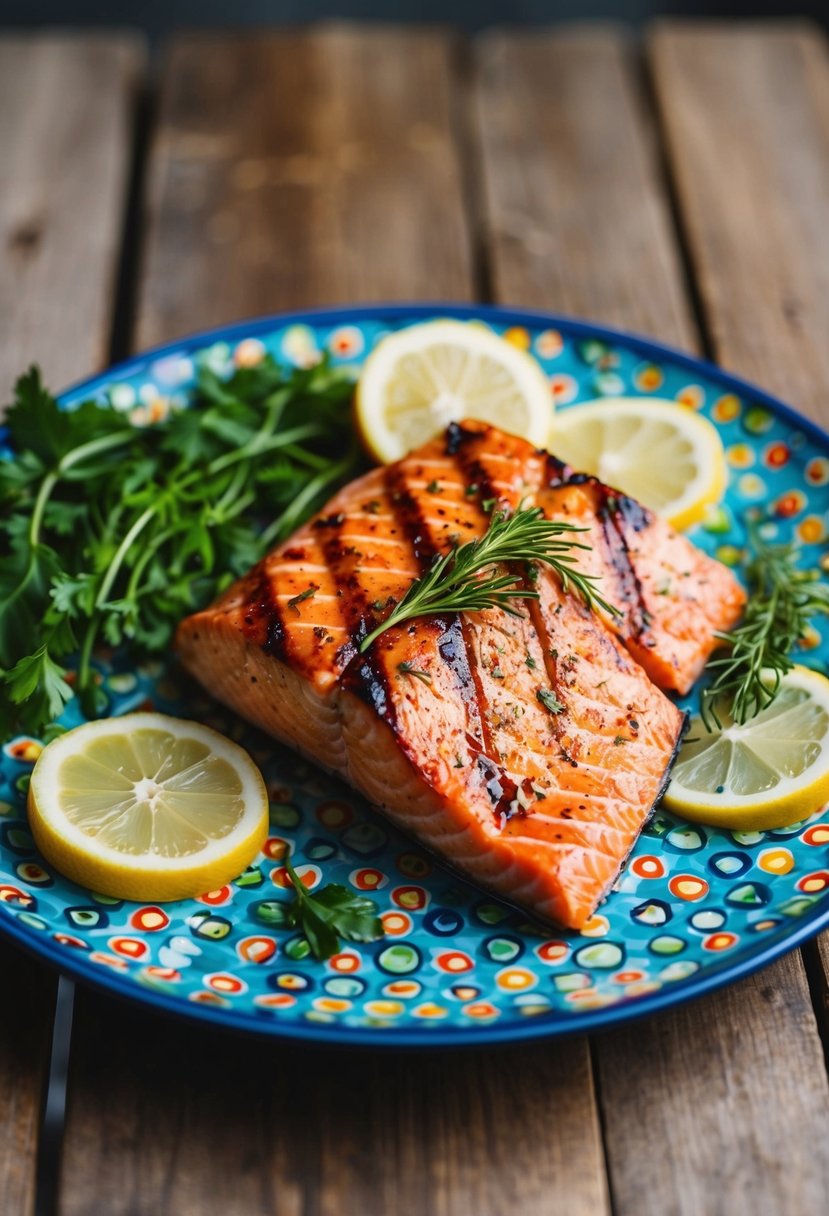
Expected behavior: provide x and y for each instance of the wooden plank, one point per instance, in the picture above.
(184, 1121)
(25, 1015)
(166, 1118)
(746, 115)
(718, 1106)
(300, 170)
(64, 157)
(574, 215)
(65, 149)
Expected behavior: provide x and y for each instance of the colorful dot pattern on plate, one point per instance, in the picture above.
(454, 963)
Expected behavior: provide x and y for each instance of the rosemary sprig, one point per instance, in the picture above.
(466, 579)
(782, 601)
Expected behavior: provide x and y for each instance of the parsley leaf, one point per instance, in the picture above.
(332, 913)
(550, 701)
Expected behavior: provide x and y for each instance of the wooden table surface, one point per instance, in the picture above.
(679, 187)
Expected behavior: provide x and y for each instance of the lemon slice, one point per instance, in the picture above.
(661, 453)
(420, 379)
(146, 807)
(770, 773)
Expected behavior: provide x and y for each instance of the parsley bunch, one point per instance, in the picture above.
(110, 534)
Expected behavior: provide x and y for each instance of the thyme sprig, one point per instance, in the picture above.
(783, 598)
(471, 577)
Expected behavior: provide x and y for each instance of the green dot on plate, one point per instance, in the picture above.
(599, 954)
(399, 959)
(667, 944)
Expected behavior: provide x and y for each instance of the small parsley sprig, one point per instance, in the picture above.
(466, 578)
(111, 533)
(783, 598)
(331, 913)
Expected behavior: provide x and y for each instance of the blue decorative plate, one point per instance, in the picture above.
(694, 908)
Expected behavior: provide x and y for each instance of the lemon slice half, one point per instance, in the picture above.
(661, 453)
(146, 807)
(770, 773)
(420, 379)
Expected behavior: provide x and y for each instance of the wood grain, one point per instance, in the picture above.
(302, 169)
(575, 217)
(25, 1019)
(65, 148)
(746, 116)
(166, 1118)
(64, 155)
(722, 1105)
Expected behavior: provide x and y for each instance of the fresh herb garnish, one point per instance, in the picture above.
(550, 701)
(465, 579)
(296, 600)
(782, 601)
(111, 533)
(331, 913)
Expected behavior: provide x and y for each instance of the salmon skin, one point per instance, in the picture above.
(526, 751)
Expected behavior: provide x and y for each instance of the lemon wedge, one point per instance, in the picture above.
(661, 453)
(770, 773)
(146, 807)
(418, 380)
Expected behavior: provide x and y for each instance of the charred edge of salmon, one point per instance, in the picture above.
(618, 515)
(361, 674)
(474, 469)
(453, 648)
(262, 620)
(453, 645)
(407, 514)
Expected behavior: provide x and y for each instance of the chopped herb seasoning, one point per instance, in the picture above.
(296, 600)
(550, 701)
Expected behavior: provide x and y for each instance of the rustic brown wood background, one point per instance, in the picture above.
(677, 186)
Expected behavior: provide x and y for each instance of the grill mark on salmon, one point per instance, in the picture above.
(441, 725)
(429, 539)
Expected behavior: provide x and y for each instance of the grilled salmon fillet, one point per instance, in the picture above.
(528, 752)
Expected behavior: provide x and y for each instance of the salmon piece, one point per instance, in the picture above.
(528, 751)
(672, 598)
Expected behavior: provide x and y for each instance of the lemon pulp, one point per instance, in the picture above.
(421, 378)
(147, 807)
(771, 772)
(661, 453)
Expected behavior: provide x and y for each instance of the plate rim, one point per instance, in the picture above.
(540, 1026)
